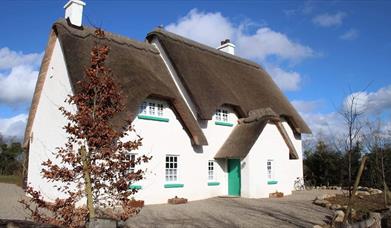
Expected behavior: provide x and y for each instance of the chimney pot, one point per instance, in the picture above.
(74, 11)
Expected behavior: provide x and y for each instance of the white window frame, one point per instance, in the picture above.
(152, 108)
(160, 109)
(171, 168)
(270, 168)
(222, 115)
(211, 171)
(143, 108)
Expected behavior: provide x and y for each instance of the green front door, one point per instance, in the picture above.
(234, 177)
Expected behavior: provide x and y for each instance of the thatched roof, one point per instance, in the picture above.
(136, 66)
(247, 131)
(213, 78)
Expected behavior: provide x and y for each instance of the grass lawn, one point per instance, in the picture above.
(12, 179)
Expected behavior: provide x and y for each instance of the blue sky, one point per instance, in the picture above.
(318, 52)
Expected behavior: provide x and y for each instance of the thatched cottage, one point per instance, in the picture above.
(215, 124)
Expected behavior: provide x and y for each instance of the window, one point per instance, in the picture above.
(160, 109)
(222, 115)
(151, 107)
(152, 110)
(132, 157)
(222, 118)
(270, 171)
(171, 168)
(211, 170)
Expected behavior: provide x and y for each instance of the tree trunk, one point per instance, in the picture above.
(350, 171)
(358, 177)
(385, 187)
(87, 183)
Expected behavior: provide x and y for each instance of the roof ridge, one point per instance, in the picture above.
(203, 47)
(85, 31)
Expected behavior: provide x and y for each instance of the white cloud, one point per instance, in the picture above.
(288, 81)
(266, 42)
(328, 123)
(331, 126)
(373, 102)
(329, 20)
(211, 28)
(351, 34)
(18, 86)
(13, 126)
(10, 58)
(321, 124)
(206, 28)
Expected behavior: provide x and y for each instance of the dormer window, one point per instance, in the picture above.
(222, 117)
(152, 110)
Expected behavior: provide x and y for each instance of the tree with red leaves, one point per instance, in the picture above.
(93, 171)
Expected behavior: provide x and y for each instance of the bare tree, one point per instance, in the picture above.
(351, 113)
(375, 140)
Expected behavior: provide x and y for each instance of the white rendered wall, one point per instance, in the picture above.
(271, 145)
(162, 138)
(47, 130)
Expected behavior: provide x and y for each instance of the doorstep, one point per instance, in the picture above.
(228, 196)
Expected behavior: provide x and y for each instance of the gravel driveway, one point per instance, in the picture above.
(296, 210)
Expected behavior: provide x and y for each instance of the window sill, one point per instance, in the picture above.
(224, 124)
(174, 185)
(271, 182)
(154, 118)
(138, 187)
(213, 183)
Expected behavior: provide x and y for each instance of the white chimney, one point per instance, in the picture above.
(227, 46)
(74, 11)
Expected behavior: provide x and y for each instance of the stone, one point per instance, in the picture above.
(328, 205)
(375, 191)
(320, 202)
(325, 196)
(335, 207)
(362, 193)
(338, 216)
(317, 226)
(365, 189)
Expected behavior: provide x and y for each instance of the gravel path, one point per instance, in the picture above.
(296, 210)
